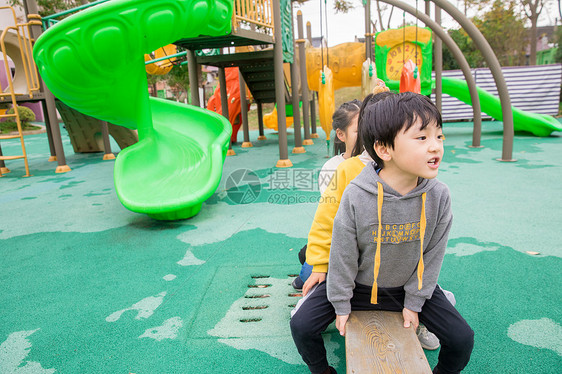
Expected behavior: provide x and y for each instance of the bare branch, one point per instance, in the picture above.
(343, 6)
(390, 17)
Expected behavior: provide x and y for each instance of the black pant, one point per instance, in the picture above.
(440, 317)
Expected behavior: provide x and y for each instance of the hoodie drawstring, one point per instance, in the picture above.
(378, 240)
(422, 236)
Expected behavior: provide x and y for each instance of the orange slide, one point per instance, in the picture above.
(410, 78)
(233, 94)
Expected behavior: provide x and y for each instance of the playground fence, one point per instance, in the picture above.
(253, 12)
(531, 88)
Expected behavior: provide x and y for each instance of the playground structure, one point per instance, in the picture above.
(173, 168)
(234, 101)
(504, 101)
(107, 89)
(27, 87)
(262, 72)
(15, 42)
(396, 47)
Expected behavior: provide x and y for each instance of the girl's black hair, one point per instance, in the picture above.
(369, 100)
(382, 121)
(341, 120)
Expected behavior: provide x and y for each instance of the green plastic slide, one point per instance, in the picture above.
(537, 124)
(94, 62)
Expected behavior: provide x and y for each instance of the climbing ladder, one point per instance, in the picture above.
(21, 32)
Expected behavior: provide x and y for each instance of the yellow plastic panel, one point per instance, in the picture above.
(345, 61)
(164, 66)
(270, 120)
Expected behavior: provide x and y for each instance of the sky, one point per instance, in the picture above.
(343, 28)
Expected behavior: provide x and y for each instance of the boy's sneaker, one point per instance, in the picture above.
(427, 340)
(450, 296)
(297, 283)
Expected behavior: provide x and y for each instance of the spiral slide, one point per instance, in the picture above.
(535, 123)
(94, 62)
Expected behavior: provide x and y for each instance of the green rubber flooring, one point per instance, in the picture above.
(87, 286)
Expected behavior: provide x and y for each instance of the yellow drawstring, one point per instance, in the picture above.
(378, 239)
(422, 235)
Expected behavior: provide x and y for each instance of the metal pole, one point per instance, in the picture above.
(52, 121)
(106, 144)
(3, 168)
(244, 111)
(193, 78)
(280, 87)
(53, 156)
(438, 55)
(304, 81)
(48, 104)
(260, 121)
(296, 110)
(295, 97)
(313, 96)
(495, 67)
(224, 104)
(457, 54)
(368, 34)
(50, 137)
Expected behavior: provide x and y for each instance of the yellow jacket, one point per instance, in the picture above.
(320, 234)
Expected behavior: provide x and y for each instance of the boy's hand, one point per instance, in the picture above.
(313, 279)
(410, 317)
(340, 323)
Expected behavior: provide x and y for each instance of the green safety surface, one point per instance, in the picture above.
(88, 286)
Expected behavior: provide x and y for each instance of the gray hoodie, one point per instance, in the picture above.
(420, 219)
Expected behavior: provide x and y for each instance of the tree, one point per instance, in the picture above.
(558, 57)
(152, 80)
(503, 27)
(469, 50)
(533, 9)
(48, 7)
(178, 81)
(343, 6)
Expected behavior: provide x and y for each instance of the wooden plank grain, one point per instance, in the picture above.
(377, 342)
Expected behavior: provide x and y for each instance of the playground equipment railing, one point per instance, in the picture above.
(246, 13)
(23, 34)
(49, 21)
(253, 12)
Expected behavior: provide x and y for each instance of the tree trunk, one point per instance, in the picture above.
(533, 41)
(380, 15)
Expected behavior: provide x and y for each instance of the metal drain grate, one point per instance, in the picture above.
(263, 309)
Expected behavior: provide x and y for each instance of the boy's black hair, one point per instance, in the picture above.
(341, 119)
(369, 100)
(382, 121)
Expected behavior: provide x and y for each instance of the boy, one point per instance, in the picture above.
(403, 136)
(391, 230)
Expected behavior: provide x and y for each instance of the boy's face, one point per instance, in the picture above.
(418, 153)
